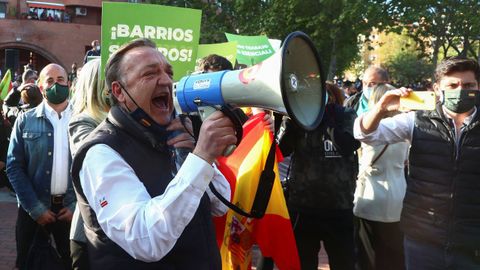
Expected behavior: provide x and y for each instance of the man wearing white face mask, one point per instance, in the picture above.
(95, 51)
(373, 76)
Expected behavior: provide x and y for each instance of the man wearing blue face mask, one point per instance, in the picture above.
(38, 163)
(441, 209)
(373, 76)
(145, 204)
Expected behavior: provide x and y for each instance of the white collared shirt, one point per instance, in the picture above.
(61, 155)
(146, 228)
(399, 128)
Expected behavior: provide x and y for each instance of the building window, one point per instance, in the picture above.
(48, 14)
(133, 1)
(3, 10)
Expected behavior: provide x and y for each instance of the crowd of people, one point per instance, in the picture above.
(106, 169)
(352, 87)
(46, 14)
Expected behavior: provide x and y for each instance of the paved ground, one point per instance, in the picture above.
(8, 212)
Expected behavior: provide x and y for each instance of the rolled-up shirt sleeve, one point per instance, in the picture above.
(398, 128)
(146, 228)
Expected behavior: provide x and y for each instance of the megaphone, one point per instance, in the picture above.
(289, 82)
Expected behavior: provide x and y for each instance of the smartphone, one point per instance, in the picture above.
(418, 100)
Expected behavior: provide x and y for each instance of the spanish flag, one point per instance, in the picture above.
(273, 233)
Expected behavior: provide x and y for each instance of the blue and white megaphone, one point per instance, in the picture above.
(289, 82)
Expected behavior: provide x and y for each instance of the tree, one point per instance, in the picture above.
(217, 17)
(333, 25)
(407, 68)
(399, 54)
(450, 26)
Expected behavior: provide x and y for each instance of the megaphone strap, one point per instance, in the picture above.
(264, 190)
(228, 111)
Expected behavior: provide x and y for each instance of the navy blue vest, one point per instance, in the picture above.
(442, 202)
(195, 249)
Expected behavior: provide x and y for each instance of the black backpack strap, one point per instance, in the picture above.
(264, 189)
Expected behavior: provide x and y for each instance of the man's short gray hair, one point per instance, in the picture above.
(113, 67)
(382, 73)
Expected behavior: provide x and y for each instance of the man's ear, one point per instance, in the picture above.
(438, 92)
(436, 88)
(117, 92)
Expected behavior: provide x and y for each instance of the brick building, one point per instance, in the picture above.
(45, 31)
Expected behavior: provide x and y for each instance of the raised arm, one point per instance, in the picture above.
(388, 103)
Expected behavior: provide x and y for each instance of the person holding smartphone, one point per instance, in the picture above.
(441, 209)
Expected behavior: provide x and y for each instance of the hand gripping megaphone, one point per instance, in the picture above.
(289, 82)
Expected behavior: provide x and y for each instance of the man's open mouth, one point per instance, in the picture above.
(161, 101)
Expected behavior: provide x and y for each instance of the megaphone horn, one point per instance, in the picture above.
(289, 82)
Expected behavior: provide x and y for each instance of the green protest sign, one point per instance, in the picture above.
(176, 31)
(251, 50)
(226, 49)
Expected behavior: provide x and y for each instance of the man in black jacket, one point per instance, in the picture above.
(441, 209)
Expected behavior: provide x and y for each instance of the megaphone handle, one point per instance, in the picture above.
(229, 150)
(206, 111)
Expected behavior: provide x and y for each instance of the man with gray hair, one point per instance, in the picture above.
(144, 198)
(373, 76)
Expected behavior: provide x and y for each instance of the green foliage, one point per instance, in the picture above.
(217, 17)
(436, 28)
(445, 26)
(333, 25)
(395, 43)
(407, 68)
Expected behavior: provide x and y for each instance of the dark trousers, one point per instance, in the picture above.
(425, 256)
(25, 231)
(79, 254)
(336, 232)
(379, 245)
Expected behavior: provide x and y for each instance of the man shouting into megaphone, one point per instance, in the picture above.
(142, 208)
